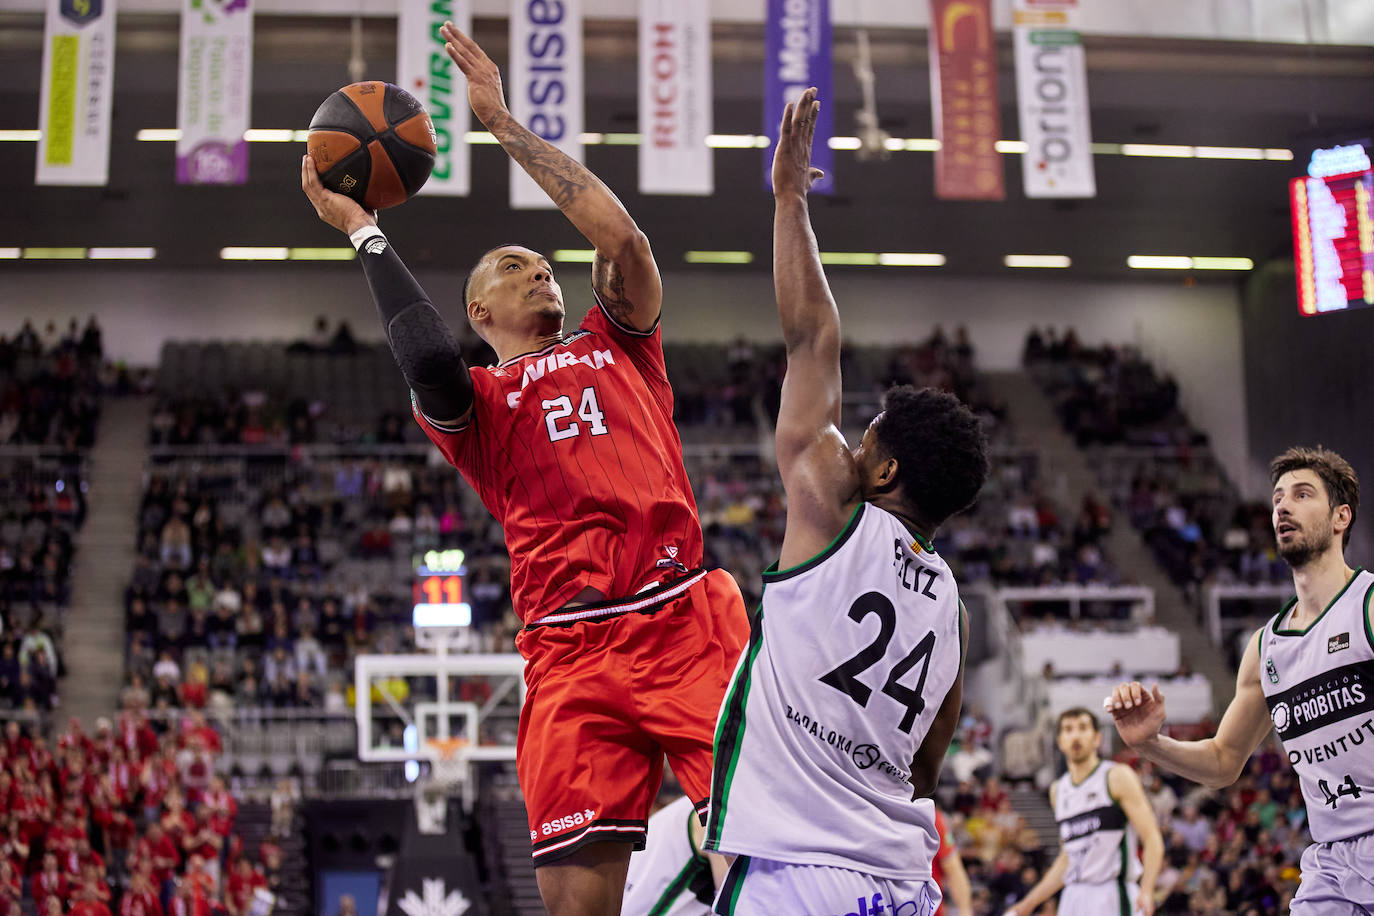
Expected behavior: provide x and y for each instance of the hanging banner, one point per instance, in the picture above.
(1052, 97)
(675, 97)
(215, 91)
(963, 90)
(424, 70)
(545, 84)
(797, 55)
(77, 92)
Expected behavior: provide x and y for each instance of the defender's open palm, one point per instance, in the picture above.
(1138, 713)
(792, 170)
(485, 94)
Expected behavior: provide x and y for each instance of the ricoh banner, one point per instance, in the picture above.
(675, 97)
(424, 70)
(1052, 97)
(796, 55)
(76, 93)
(215, 91)
(545, 90)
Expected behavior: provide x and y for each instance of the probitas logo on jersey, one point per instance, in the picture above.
(1323, 700)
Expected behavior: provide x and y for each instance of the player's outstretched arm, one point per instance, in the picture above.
(817, 470)
(1125, 787)
(1214, 762)
(624, 273)
(422, 343)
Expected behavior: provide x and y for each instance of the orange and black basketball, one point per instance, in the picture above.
(374, 142)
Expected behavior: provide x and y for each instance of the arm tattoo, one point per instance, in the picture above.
(609, 284)
(561, 177)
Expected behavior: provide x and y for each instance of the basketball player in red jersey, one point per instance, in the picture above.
(570, 443)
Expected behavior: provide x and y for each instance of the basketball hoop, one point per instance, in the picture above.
(447, 771)
(448, 763)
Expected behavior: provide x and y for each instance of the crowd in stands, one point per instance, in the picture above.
(51, 383)
(1173, 492)
(130, 819)
(260, 595)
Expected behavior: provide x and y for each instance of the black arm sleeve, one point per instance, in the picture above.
(424, 346)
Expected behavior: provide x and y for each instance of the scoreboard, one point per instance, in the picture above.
(437, 592)
(1333, 230)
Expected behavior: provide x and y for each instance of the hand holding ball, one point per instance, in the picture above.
(373, 142)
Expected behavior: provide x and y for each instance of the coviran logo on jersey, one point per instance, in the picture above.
(550, 363)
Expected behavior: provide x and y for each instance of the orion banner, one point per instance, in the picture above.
(675, 97)
(797, 54)
(76, 94)
(424, 70)
(1052, 97)
(215, 91)
(963, 89)
(545, 84)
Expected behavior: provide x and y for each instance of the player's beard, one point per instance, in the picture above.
(1305, 548)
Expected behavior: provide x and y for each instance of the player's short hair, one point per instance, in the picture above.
(477, 268)
(1074, 713)
(1342, 486)
(940, 447)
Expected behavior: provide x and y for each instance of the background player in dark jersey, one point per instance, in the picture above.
(570, 443)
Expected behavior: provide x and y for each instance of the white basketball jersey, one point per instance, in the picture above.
(850, 658)
(1093, 829)
(1319, 683)
(669, 876)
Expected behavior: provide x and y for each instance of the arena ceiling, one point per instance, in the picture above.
(1194, 93)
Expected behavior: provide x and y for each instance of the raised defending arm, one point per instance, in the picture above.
(624, 273)
(817, 469)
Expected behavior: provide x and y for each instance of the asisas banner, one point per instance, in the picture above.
(545, 90)
(76, 93)
(675, 97)
(426, 72)
(963, 89)
(797, 55)
(1052, 98)
(215, 91)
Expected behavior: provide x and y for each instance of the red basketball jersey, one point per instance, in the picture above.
(574, 451)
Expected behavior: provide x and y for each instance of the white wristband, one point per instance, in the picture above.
(360, 237)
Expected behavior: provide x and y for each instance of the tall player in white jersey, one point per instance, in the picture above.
(1104, 819)
(831, 735)
(1308, 674)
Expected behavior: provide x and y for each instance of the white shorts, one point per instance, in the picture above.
(1106, 899)
(1337, 879)
(762, 887)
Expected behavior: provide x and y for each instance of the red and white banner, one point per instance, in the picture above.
(963, 88)
(1052, 97)
(424, 70)
(674, 97)
(545, 84)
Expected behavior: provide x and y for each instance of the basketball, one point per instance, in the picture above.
(374, 142)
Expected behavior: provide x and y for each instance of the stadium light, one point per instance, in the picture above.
(1037, 260)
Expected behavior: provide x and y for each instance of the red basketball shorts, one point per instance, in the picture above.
(609, 697)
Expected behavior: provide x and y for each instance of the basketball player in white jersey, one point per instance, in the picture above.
(831, 735)
(1308, 674)
(671, 876)
(1103, 818)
